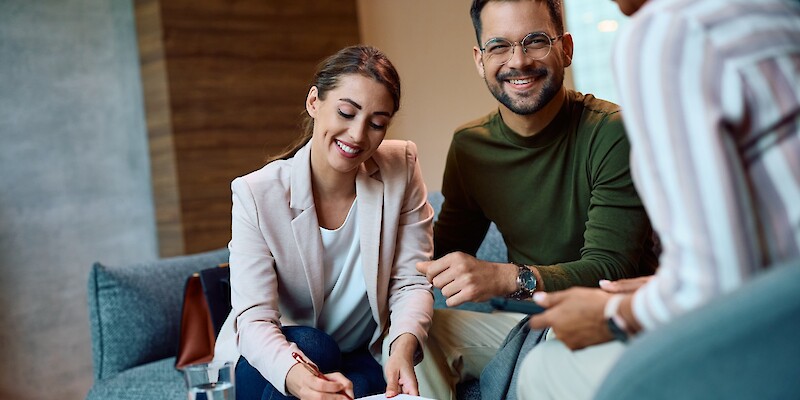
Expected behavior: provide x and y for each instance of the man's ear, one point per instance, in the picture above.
(478, 56)
(568, 46)
(312, 101)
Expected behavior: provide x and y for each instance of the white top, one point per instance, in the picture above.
(710, 93)
(346, 314)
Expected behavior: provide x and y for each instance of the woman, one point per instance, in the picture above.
(325, 239)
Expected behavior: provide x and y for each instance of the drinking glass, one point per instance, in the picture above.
(210, 381)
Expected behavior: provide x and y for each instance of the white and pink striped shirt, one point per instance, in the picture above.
(710, 93)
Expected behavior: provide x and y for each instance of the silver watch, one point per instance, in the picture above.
(526, 282)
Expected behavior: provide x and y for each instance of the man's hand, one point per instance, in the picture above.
(624, 285)
(463, 278)
(575, 315)
(399, 369)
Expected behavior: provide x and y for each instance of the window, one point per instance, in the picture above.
(593, 25)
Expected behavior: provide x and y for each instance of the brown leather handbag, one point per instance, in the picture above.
(206, 304)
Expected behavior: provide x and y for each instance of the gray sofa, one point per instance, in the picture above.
(135, 312)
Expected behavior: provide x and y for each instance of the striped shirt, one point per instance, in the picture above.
(710, 93)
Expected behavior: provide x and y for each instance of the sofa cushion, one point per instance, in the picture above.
(134, 310)
(156, 380)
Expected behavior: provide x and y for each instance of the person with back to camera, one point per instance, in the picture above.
(325, 239)
(550, 168)
(711, 97)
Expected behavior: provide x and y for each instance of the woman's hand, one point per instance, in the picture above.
(399, 369)
(624, 285)
(304, 385)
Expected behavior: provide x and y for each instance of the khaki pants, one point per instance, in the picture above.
(552, 371)
(460, 343)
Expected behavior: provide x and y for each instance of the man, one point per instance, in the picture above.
(550, 169)
(711, 96)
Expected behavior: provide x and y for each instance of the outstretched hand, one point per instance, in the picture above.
(575, 315)
(463, 278)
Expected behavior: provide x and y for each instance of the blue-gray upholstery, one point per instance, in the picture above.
(154, 380)
(135, 312)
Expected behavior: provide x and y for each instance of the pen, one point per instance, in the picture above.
(316, 372)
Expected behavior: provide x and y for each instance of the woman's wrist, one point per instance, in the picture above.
(404, 345)
(626, 312)
(294, 379)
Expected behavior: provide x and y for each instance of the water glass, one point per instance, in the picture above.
(210, 381)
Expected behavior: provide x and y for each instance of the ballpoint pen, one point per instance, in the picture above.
(316, 372)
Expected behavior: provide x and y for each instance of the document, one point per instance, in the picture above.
(398, 397)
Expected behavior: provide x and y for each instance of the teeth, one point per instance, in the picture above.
(519, 81)
(346, 148)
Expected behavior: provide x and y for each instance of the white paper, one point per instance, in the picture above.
(398, 397)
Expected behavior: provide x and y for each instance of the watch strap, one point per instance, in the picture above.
(616, 324)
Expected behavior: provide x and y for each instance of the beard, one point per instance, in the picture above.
(527, 103)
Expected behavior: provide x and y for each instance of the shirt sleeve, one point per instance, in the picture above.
(410, 297)
(254, 288)
(617, 235)
(686, 163)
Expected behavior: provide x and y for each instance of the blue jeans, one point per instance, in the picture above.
(358, 366)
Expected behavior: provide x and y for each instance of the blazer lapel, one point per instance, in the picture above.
(305, 227)
(370, 214)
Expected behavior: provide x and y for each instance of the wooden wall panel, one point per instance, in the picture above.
(166, 196)
(237, 74)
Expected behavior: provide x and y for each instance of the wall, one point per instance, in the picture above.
(74, 182)
(225, 84)
(430, 43)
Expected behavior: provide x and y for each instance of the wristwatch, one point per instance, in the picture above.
(615, 322)
(526, 282)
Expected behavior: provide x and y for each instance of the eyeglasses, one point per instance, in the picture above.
(535, 45)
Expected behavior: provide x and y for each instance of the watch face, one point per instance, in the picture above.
(530, 282)
(527, 279)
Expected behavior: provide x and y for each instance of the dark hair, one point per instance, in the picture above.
(554, 6)
(367, 61)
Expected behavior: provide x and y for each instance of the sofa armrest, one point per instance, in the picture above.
(134, 310)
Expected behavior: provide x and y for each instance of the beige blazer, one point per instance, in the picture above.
(276, 255)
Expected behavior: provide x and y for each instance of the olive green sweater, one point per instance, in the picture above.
(563, 199)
